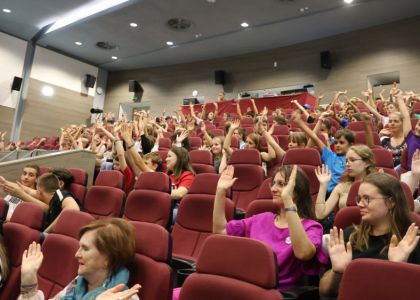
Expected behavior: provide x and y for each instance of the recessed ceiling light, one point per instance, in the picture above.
(211, 1)
(169, 43)
(244, 24)
(6, 10)
(348, 1)
(198, 35)
(78, 43)
(134, 25)
(114, 57)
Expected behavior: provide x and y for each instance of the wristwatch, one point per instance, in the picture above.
(291, 208)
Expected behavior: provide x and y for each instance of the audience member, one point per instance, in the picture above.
(106, 247)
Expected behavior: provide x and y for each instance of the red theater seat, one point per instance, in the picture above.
(59, 249)
(233, 268)
(250, 174)
(194, 222)
(150, 201)
(18, 234)
(110, 178)
(104, 202)
(376, 279)
(150, 267)
(201, 161)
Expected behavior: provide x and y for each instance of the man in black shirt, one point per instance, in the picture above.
(53, 199)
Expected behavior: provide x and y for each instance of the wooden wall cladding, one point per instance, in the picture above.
(43, 116)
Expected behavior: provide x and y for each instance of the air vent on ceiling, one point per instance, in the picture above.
(106, 45)
(179, 23)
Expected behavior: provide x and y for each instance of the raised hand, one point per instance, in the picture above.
(235, 124)
(323, 174)
(31, 262)
(340, 253)
(203, 127)
(125, 132)
(400, 251)
(182, 136)
(117, 293)
(226, 179)
(415, 163)
(287, 192)
(296, 116)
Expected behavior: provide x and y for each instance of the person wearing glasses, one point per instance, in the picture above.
(385, 231)
(360, 162)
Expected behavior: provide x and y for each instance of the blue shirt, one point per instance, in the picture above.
(336, 164)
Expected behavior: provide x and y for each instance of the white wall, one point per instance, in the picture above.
(12, 55)
(60, 70)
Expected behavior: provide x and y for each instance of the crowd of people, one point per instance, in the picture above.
(295, 233)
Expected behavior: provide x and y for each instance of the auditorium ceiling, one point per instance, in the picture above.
(207, 29)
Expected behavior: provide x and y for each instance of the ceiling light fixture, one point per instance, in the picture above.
(6, 10)
(211, 1)
(348, 1)
(78, 43)
(83, 12)
(114, 57)
(244, 24)
(47, 91)
(169, 43)
(134, 25)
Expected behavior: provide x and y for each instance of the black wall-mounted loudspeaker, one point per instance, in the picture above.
(16, 84)
(326, 60)
(219, 77)
(134, 86)
(90, 81)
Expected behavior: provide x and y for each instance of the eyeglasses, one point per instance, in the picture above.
(366, 199)
(352, 160)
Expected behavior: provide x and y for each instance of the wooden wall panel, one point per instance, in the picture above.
(385, 48)
(43, 116)
(6, 119)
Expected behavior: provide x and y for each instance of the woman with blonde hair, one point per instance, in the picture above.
(360, 162)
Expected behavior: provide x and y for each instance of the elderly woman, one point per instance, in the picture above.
(106, 247)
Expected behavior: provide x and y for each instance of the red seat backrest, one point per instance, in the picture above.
(308, 159)
(281, 130)
(104, 202)
(246, 270)
(80, 176)
(362, 274)
(195, 142)
(165, 143)
(112, 178)
(18, 234)
(217, 132)
(201, 161)
(150, 267)
(360, 138)
(149, 206)
(250, 174)
(155, 181)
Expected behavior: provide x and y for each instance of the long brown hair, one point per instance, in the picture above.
(4, 270)
(183, 162)
(302, 193)
(399, 214)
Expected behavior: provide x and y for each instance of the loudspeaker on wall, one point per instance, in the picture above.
(90, 81)
(219, 77)
(326, 60)
(134, 86)
(16, 84)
